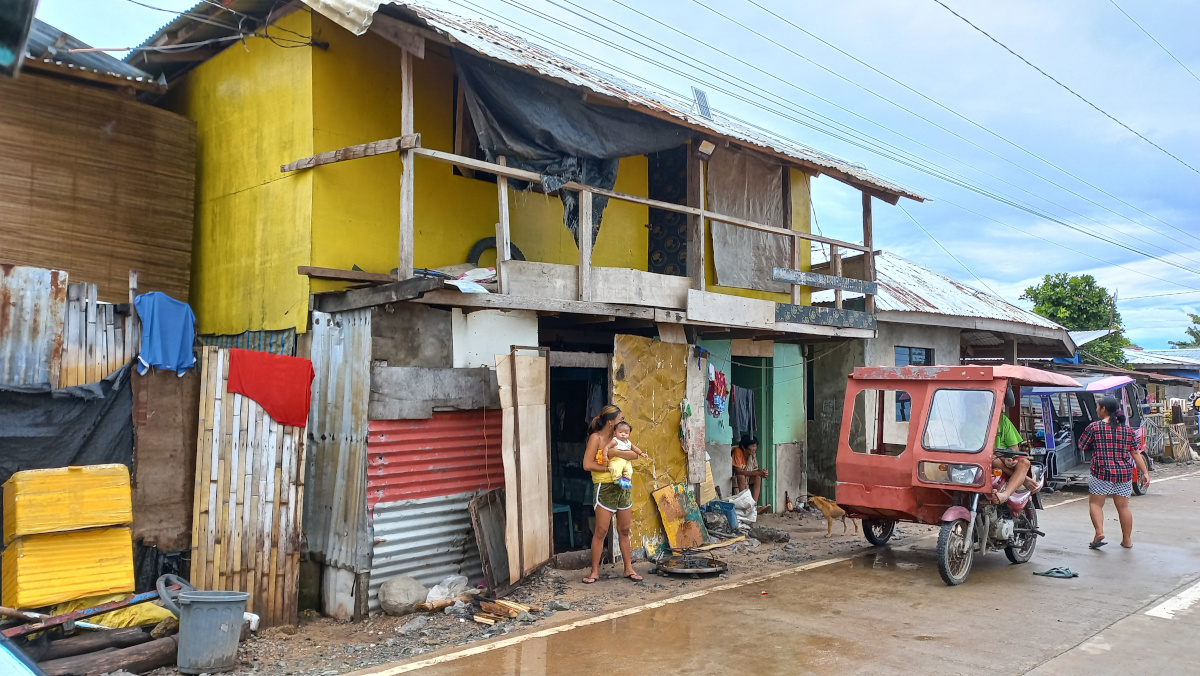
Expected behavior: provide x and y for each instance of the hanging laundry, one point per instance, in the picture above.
(718, 392)
(168, 332)
(741, 412)
(281, 385)
(595, 402)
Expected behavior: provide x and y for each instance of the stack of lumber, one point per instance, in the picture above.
(65, 535)
(500, 610)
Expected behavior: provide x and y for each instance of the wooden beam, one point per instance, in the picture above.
(823, 316)
(835, 266)
(503, 248)
(592, 98)
(479, 165)
(822, 331)
(387, 145)
(869, 248)
(404, 250)
(343, 275)
(797, 263)
(719, 308)
(799, 278)
(544, 305)
(587, 360)
(354, 299)
(400, 33)
(584, 236)
(696, 225)
(60, 69)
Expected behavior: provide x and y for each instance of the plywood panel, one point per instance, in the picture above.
(718, 308)
(623, 286)
(526, 452)
(102, 185)
(649, 382)
(248, 497)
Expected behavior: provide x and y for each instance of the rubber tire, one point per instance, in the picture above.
(1011, 552)
(486, 243)
(868, 526)
(1137, 489)
(943, 554)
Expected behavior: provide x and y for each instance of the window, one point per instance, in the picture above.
(871, 431)
(959, 420)
(914, 356)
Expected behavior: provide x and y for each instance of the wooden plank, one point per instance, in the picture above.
(619, 286)
(92, 357)
(503, 236)
(480, 165)
(824, 316)
(797, 263)
(199, 472)
(718, 308)
(548, 305)
(400, 33)
(393, 292)
(404, 266)
(584, 240)
(696, 225)
(815, 279)
(382, 147)
(745, 347)
(587, 360)
(672, 333)
(343, 275)
(835, 265)
(111, 361)
(868, 248)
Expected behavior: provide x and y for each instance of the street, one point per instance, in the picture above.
(886, 611)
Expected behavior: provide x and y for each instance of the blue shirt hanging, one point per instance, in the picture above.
(168, 333)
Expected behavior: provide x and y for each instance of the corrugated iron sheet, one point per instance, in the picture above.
(452, 452)
(276, 342)
(427, 539)
(1184, 358)
(33, 307)
(357, 15)
(335, 513)
(40, 570)
(51, 44)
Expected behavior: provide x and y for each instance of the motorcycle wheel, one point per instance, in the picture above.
(953, 564)
(878, 531)
(1137, 484)
(1022, 551)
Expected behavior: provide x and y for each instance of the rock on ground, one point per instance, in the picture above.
(398, 595)
(769, 534)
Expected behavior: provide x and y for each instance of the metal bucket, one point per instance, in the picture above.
(210, 625)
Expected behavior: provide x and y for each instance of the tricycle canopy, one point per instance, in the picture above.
(911, 436)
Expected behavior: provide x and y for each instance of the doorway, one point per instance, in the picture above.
(750, 413)
(576, 396)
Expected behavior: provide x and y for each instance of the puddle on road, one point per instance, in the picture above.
(884, 558)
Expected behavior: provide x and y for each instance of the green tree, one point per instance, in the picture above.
(1079, 303)
(1193, 333)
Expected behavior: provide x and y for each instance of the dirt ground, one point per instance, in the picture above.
(324, 647)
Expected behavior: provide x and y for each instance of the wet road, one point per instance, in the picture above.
(887, 612)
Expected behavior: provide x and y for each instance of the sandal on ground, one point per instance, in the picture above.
(635, 577)
(1097, 543)
(590, 580)
(1126, 546)
(1064, 573)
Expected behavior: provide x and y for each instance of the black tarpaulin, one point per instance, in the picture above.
(546, 127)
(82, 425)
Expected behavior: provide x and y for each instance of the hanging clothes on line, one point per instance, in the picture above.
(595, 401)
(741, 412)
(718, 392)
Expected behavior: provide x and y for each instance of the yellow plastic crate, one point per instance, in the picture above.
(43, 569)
(68, 498)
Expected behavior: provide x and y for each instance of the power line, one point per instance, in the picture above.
(966, 119)
(943, 247)
(917, 164)
(1160, 45)
(1072, 91)
(1161, 295)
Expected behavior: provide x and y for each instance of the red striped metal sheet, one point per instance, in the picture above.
(452, 452)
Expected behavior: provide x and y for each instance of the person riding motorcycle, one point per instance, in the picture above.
(1015, 467)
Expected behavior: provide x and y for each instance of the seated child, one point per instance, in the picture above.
(620, 468)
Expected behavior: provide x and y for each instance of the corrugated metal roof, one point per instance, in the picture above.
(1082, 338)
(1185, 357)
(452, 452)
(50, 45)
(427, 539)
(905, 286)
(335, 510)
(33, 309)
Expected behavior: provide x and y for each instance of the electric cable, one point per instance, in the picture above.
(956, 260)
(1160, 45)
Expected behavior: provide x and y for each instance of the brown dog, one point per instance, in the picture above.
(831, 511)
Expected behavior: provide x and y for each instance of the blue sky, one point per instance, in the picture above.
(1090, 46)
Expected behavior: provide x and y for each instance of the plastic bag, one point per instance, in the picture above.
(746, 507)
(451, 587)
(131, 616)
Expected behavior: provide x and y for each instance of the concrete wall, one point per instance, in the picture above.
(944, 341)
(789, 422)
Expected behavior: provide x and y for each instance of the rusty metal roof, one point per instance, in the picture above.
(1183, 359)
(489, 41)
(50, 46)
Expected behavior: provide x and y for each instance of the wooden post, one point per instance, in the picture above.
(796, 244)
(503, 240)
(695, 237)
(404, 264)
(1010, 350)
(133, 325)
(585, 245)
(835, 268)
(869, 255)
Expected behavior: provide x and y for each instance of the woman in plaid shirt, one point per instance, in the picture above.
(1114, 452)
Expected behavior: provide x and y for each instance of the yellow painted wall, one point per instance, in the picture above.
(801, 221)
(253, 113)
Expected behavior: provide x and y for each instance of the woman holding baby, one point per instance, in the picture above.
(608, 443)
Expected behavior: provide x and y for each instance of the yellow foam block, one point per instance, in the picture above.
(39, 570)
(68, 498)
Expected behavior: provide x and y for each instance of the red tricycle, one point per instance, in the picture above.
(917, 444)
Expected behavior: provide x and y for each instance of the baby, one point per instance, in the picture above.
(620, 468)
